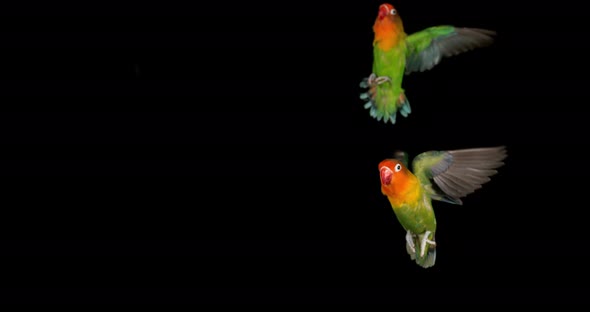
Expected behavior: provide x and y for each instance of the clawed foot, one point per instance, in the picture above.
(425, 241)
(410, 241)
(378, 80)
(373, 80)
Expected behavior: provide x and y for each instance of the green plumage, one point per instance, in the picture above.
(436, 175)
(419, 51)
(418, 218)
(422, 41)
(390, 64)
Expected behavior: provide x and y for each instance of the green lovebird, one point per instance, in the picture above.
(455, 173)
(396, 54)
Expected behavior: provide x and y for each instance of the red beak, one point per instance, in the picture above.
(386, 175)
(383, 12)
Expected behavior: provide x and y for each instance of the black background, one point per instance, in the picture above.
(220, 153)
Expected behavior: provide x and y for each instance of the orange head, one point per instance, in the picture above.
(386, 10)
(396, 180)
(388, 26)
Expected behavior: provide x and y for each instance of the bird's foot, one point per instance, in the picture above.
(425, 241)
(382, 80)
(373, 81)
(410, 241)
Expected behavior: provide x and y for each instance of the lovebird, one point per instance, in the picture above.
(455, 173)
(396, 54)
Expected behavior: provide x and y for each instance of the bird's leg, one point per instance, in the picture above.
(410, 241)
(425, 241)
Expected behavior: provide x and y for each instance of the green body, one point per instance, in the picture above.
(417, 217)
(391, 64)
(416, 52)
(416, 213)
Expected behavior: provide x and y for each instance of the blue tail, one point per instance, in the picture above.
(404, 105)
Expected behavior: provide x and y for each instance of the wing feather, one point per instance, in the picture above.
(426, 48)
(458, 173)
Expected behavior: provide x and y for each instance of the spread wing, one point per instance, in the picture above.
(426, 48)
(458, 173)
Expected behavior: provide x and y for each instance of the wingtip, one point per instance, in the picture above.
(489, 32)
(483, 31)
(503, 151)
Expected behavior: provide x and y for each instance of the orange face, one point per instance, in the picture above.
(390, 171)
(396, 179)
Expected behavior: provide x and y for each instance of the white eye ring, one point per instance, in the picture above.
(398, 167)
(392, 12)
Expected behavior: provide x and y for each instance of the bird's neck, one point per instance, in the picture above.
(388, 33)
(404, 191)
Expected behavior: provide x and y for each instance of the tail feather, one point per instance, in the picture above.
(428, 260)
(392, 118)
(381, 111)
(404, 105)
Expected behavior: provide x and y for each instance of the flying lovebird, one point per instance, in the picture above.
(396, 54)
(443, 175)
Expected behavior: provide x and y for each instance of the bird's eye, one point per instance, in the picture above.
(393, 12)
(398, 167)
